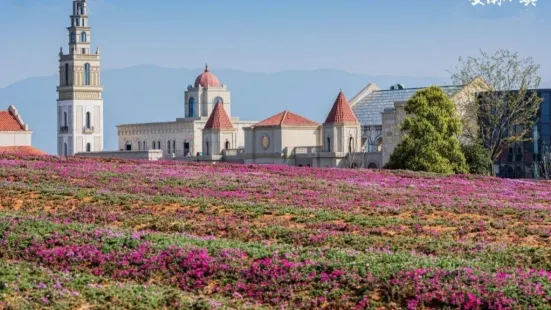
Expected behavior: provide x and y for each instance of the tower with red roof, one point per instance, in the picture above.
(219, 133)
(341, 129)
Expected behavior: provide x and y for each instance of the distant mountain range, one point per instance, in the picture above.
(148, 93)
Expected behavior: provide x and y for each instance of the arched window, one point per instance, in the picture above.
(128, 146)
(350, 144)
(186, 147)
(83, 37)
(217, 99)
(153, 145)
(207, 147)
(159, 144)
(87, 74)
(227, 145)
(380, 145)
(145, 145)
(88, 120)
(73, 38)
(168, 146)
(66, 74)
(328, 144)
(173, 146)
(65, 119)
(191, 107)
(88, 147)
(65, 149)
(139, 145)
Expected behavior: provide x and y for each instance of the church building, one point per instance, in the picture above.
(184, 136)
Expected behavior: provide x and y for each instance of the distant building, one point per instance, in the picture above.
(15, 136)
(183, 137)
(381, 113)
(521, 160)
(80, 102)
(288, 139)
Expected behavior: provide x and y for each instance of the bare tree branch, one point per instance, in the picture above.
(508, 110)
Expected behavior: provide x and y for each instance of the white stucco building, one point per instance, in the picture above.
(184, 136)
(287, 138)
(80, 102)
(15, 135)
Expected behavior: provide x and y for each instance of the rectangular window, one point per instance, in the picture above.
(546, 110)
(546, 129)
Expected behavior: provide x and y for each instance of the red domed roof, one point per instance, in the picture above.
(207, 79)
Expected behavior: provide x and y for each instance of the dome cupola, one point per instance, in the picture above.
(207, 79)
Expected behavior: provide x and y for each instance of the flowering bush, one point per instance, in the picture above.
(118, 233)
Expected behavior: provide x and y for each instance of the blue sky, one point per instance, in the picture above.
(391, 37)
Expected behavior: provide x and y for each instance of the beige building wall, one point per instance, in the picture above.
(15, 138)
(300, 136)
(205, 100)
(182, 131)
(216, 140)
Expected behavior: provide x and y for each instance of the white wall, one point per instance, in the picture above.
(294, 137)
(76, 121)
(15, 138)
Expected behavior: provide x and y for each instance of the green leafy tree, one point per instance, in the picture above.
(477, 158)
(430, 131)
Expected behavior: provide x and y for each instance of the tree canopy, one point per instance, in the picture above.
(431, 129)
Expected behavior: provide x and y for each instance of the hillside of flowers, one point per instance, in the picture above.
(112, 234)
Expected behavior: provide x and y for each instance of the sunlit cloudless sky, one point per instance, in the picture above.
(392, 37)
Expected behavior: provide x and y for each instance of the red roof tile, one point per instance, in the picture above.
(24, 150)
(8, 122)
(341, 111)
(219, 119)
(286, 118)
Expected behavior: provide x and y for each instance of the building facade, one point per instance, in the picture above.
(15, 135)
(288, 139)
(184, 136)
(79, 102)
(381, 113)
(523, 159)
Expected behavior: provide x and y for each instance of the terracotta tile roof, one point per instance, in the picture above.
(286, 118)
(8, 122)
(24, 150)
(341, 111)
(219, 119)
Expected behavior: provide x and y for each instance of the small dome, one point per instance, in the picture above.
(207, 79)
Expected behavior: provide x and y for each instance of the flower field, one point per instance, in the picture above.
(113, 234)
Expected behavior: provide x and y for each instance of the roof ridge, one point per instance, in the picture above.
(283, 117)
(411, 88)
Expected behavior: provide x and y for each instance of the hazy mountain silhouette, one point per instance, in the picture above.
(148, 93)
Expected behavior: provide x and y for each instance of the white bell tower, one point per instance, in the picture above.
(80, 102)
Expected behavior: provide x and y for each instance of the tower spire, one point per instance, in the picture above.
(79, 31)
